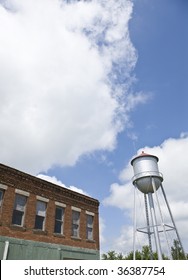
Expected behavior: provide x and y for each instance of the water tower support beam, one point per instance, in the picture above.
(162, 220)
(172, 219)
(148, 227)
(154, 224)
(134, 233)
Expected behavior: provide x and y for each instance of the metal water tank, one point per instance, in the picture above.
(145, 168)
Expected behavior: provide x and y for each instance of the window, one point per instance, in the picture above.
(19, 210)
(3, 188)
(89, 227)
(40, 214)
(59, 217)
(75, 223)
(1, 197)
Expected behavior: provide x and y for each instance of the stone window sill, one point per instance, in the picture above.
(40, 232)
(17, 227)
(59, 235)
(91, 240)
(76, 238)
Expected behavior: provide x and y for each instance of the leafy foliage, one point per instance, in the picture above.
(176, 252)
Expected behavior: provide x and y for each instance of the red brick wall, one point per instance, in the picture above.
(15, 179)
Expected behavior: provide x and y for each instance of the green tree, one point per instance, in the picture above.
(111, 255)
(139, 255)
(177, 252)
(144, 254)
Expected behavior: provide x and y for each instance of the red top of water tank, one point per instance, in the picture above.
(143, 154)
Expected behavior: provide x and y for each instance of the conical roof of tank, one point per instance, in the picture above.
(143, 154)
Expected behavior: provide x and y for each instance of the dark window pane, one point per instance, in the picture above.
(17, 217)
(39, 221)
(58, 227)
(58, 213)
(1, 196)
(19, 208)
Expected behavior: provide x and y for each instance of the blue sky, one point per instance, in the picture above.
(97, 81)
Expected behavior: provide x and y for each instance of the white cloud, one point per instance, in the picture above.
(54, 180)
(118, 196)
(51, 179)
(124, 242)
(102, 226)
(60, 88)
(76, 189)
(184, 134)
(137, 98)
(174, 165)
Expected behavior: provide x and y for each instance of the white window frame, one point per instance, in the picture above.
(1, 196)
(20, 211)
(76, 225)
(89, 228)
(3, 188)
(59, 205)
(44, 201)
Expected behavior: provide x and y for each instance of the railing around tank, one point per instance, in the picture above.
(147, 174)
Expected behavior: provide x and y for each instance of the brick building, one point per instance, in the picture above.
(41, 220)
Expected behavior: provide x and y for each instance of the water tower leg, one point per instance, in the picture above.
(162, 220)
(172, 219)
(154, 224)
(148, 227)
(134, 233)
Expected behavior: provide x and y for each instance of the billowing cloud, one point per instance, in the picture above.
(54, 180)
(65, 72)
(120, 196)
(174, 165)
(102, 226)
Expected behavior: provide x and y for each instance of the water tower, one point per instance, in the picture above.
(148, 180)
